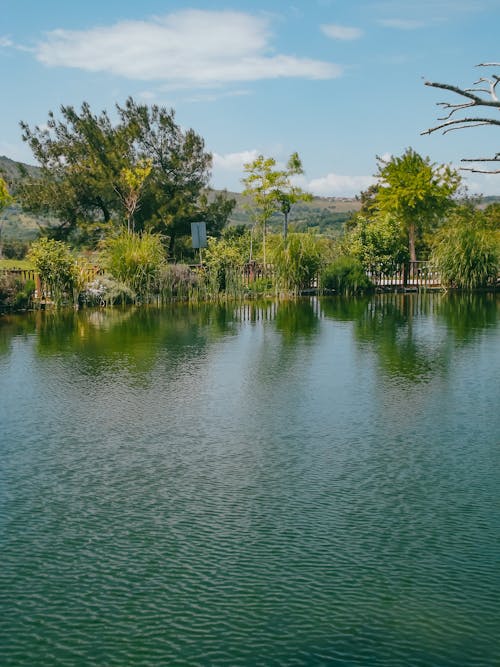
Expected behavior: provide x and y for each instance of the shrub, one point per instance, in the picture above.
(346, 275)
(297, 260)
(177, 281)
(135, 260)
(55, 265)
(15, 292)
(12, 249)
(466, 253)
(106, 291)
(225, 260)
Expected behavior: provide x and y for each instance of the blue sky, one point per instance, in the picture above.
(339, 81)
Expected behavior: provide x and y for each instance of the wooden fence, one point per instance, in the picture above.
(419, 275)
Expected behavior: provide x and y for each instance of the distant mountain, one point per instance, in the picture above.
(12, 171)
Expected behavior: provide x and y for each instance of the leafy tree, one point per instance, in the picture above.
(288, 194)
(271, 190)
(377, 242)
(132, 180)
(416, 192)
(144, 170)
(180, 169)
(82, 158)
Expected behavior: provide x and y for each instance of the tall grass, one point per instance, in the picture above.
(467, 255)
(297, 261)
(135, 260)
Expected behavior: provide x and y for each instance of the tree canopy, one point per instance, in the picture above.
(144, 171)
(416, 192)
(271, 190)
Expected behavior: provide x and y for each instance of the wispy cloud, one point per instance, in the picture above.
(191, 48)
(5, 42)
(341, 32)
(402, 24)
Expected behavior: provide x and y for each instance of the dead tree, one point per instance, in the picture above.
(483, 94)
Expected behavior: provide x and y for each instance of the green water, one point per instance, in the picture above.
(295, 484)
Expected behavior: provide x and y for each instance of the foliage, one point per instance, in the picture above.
(131, 183)
(376, 242)
(134, 260)
(5, 198)
(56, 266)
(14, 292)
(271, 190)
(225, 259)
(144, 170)
(106, 291)
(177, 281)
(346, 275)
(12, 249)
(297, 260)
(466, 252)
(415, 191)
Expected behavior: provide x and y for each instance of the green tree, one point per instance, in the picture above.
(416, 192)
(271, 190)
(82, 157)
(377, 241)
(145, 170)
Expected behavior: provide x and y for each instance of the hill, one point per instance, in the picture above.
(324, 214)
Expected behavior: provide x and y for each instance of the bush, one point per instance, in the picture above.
(15, 292)
(14, 249)
(466, 253)
(136, 261)
(106, 291)
(56, 267)
(225, 259)
(297, 261)
(177, 281)
(346, 275)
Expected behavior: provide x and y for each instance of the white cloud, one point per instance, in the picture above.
(341, 32)
(335, 185)
(234, 161)
(402, 24)
(5, 42)
(185, 48)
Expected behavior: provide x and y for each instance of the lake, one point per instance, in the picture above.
(294, 483)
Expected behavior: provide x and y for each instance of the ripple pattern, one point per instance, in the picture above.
(251, 499)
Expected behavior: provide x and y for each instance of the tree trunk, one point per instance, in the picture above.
(411, 242)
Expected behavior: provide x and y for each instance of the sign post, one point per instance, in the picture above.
(199, 236)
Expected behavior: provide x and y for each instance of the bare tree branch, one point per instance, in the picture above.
(477, 96)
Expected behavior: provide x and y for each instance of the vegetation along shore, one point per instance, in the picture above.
(107, 217)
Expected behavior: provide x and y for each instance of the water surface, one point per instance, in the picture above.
(312, 483)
